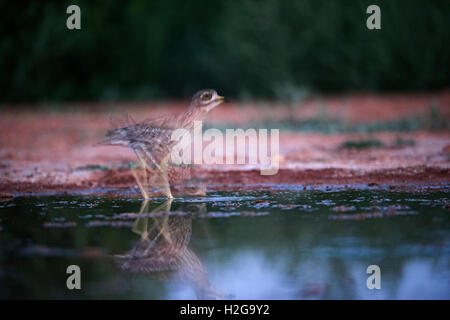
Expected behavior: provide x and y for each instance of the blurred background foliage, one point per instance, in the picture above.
(142, 49)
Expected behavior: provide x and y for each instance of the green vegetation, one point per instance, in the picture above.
(92, 167)
(362, 144)
(142, 49)
(323, 122)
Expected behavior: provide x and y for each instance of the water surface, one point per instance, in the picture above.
(287, 243)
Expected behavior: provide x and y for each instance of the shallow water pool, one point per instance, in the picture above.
(287, 243)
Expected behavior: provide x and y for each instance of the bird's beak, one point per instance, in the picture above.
(220, 98)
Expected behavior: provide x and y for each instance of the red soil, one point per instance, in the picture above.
(53, 151)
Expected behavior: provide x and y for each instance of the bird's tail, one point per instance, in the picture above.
(113, 137)
(117, 135)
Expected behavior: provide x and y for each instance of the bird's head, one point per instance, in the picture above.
(206, 99)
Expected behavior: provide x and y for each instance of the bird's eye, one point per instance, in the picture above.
(206, 96)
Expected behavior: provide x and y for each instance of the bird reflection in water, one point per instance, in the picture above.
(162, 251)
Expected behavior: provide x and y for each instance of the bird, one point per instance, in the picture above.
(163, 251)
(151, 139)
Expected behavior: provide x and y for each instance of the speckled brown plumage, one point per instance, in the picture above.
(163, 253)
(151, 139)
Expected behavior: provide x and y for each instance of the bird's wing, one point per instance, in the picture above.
(152, 145)
(165, 122)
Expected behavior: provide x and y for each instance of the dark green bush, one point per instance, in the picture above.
(141, 49)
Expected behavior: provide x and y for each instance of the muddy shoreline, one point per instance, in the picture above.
(404, 143)
(119, 181)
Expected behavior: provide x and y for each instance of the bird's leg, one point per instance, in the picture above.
(165, 206)
(148, 161)
(148, 181)
(141, 224)
(144, 207)
(144, 169)
(138, 181)
(157, 169)
(162, 167)
(159, 178)
(152, 159)
(165, 176)
(146, 164)
(162, 227)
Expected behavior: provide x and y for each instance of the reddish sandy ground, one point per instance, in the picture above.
(53, 151)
